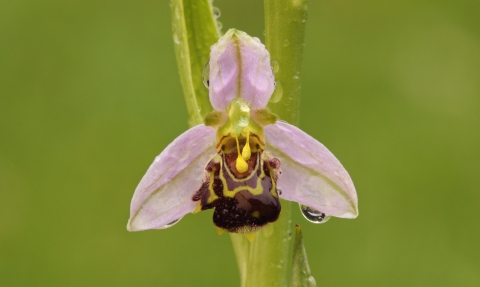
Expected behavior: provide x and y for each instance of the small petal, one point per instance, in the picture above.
(165, 192)
(240, 67)
(311, 175)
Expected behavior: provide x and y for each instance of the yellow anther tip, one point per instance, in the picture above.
(246, 152)
(219, 230)
(241, 165)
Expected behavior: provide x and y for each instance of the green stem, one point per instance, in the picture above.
(285, 22)
(194, 32)
(264, 262)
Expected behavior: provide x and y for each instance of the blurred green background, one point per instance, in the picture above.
(90, 94)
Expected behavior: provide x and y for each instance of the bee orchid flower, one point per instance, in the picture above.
(242, 160)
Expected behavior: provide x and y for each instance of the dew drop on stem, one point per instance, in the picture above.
(216, 12)
(219, 25)
(206, 74)
(277, 93)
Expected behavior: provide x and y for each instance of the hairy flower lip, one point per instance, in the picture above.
(240, 73)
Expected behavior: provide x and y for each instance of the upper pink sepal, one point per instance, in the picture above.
(240, 67)
(311, 175)
(165, 192)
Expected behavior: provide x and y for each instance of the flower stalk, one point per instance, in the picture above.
(285, 22)
(194, 32)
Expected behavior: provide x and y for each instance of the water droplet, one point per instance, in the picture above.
(219, 25)
(268, 231)
(177, 12)
(296, 76)
(279, 191)
(312, 281)
(313, 215)
(176, 40)
(216, 12)
(286, 43)
(171, 224)
(264, 32)
(275, 66)
(206, 74)
(277, 93)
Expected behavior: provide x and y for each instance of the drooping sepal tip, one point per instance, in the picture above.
(311, 174)
(164, 193)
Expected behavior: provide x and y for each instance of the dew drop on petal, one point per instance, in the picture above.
(313, 215)
(171, 224)
(206, 74)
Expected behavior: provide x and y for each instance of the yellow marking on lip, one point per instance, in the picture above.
(250, 236)
(253, 190)
(212, 196)
(219, 230)
(198, 208)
